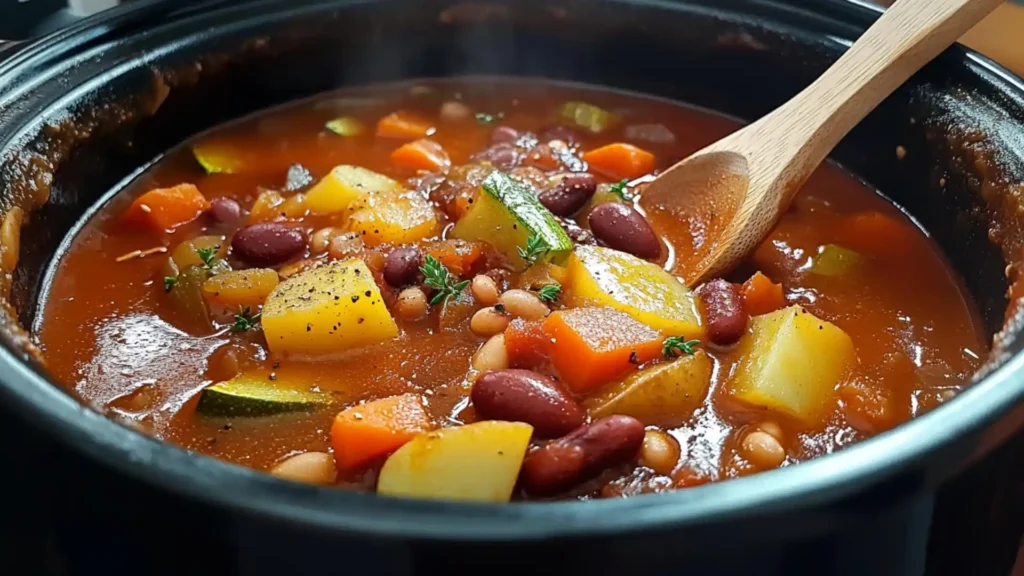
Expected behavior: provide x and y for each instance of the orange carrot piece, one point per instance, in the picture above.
(374, 429)
(761, 295)
(168, 208)
(458, 256)
(403, 126)
(422, 154)
(526, 344)
(620, 160)
(593, 346)
(876, 234)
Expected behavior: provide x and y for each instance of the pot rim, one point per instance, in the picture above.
(827, 479)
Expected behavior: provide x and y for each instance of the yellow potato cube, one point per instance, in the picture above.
(478, 462)
(662, 395)
(605, 277)
(241, 287)
(330, 309)
(337, 191)
(791, 362)
(393, 218)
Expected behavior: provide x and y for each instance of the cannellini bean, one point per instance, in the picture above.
(492, 355)
(485, 290)
(411, 304)
(660, 452)
(762, 450)
(523, 304)
(311, 467)
(488, 322)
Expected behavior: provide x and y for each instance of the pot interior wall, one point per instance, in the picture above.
(263, 55)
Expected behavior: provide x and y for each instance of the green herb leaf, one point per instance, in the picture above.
(208, 255)
(485, 118)
(675, 346)
(169, 282)
(550, 292)
(245, 321)
(536, 248)
(436, 276)
(620, 189)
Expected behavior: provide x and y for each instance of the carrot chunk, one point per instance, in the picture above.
(620, 160)
(458, 256)
(168, 208)
(368, 431)
(876, 234)
(423, 154)
(593, 346)
(402, 126)
(526, 344)
(761, 295)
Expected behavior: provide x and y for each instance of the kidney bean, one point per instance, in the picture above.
(577, 234)
(621, 227)
(563, 463)
(504, 134)
(402, 267)
(500, 155)
(267, 244)
(569, 195)
(724, 314)
(526, 396)
(225, 210)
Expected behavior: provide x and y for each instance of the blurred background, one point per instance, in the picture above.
(1000, 36)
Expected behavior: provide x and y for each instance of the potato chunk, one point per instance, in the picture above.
(605, 277)
(345, 184)
(790, 362)
(478, 462)
(393, 218)
(333, 308)
(662, 395)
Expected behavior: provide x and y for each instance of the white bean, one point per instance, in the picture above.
(492, 355)
(311, 467)
(523, 304)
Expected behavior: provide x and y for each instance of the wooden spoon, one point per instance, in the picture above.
(745, 181)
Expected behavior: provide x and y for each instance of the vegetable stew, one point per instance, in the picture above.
(457, 290)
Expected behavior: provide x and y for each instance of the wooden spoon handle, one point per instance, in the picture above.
(903, 40)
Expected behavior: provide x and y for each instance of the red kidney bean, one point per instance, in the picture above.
(402, 267)
(225, 210)
(583, 454)
(526, 396)
(505, 134)
(724, 314)
(577, 234)
(267, 244)
(569, 195)
(501, 155)
(620, 227)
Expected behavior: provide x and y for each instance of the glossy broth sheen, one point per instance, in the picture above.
(110, 333)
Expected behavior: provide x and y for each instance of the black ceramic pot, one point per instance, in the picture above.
(82, 110)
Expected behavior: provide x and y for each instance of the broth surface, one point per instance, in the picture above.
(111, 333)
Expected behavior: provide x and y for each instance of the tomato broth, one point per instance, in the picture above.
(484, 259)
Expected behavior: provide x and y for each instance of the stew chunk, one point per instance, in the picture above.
(791, 363)
(332, 308)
